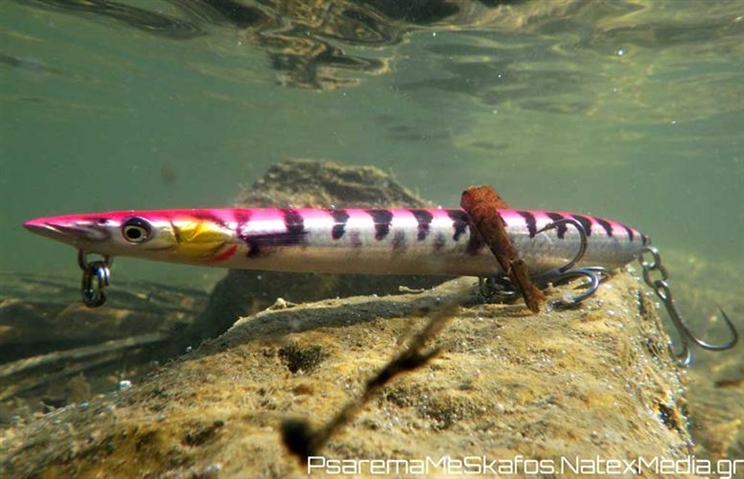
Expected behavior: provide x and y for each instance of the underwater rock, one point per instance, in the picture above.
(47, 342)
(307, 184)
(716, 407)
(564, 385)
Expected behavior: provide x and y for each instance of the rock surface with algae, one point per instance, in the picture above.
(593, 381)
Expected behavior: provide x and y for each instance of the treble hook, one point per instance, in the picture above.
(595, 274)
(94, 296)
(504, 289)
(664, 293)
(582, 245)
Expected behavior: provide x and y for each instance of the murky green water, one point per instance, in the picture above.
(631, 110)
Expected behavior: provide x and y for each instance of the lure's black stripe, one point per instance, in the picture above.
(423, 218)
(293, 221)
(382, 220)
(630, 233)
(529, 218)
(561, 229)
(605, 225)
(399, 241)
(340, 218)
(242, 217)
(475, 243)
(258, 243)
(459, 222)
(585, 222)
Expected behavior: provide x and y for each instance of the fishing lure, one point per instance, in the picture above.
(554, 246)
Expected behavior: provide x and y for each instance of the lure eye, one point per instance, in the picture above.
(136, 230)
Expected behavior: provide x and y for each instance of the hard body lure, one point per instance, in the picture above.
(553, 245)
(394, 241)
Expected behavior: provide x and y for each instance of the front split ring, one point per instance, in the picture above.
(95, 279)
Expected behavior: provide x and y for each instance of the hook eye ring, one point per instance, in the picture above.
(95, 279)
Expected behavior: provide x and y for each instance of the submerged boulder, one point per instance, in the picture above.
(559, 391)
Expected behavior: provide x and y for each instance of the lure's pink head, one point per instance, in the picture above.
(170, 235)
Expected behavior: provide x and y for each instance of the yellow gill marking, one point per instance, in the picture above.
(198, 239)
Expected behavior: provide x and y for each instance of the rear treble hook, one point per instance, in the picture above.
(95, 279)
(504, 289)
(664, 293)
(594, 275)
(583, 243)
